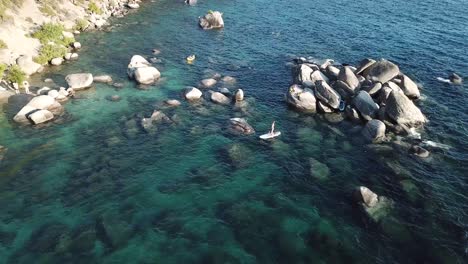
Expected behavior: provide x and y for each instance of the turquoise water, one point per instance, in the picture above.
(94, 187)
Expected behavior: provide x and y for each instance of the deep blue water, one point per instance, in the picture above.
(93, 187)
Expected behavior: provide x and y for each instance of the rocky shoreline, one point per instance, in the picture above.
(375, 96)
(47, 37)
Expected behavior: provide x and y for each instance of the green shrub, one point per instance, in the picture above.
(93, 8)
(81, 24)
(15, 75)
(50, 32)
(47, 9)
(3, 67)
(3, 45)
(50, 51)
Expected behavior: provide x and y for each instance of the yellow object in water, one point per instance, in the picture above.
(190, 58)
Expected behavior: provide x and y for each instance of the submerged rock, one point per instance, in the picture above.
(208, 83)
(103, 79)
(374, 130)
(318, 170)
(301, 98)
(419, 151)
(172, 102)
(79, 81)
(376, 207)
(212, 20)
(240, 126)
(158, 117)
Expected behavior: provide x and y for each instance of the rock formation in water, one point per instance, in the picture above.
(376, 207)
(212, 20)
(375, 94)
(142, 71)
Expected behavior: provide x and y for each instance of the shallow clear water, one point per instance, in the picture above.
(95, 187)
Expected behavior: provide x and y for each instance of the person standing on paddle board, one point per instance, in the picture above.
(272, 128)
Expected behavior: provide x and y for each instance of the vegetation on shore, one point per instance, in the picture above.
(81, 24)
(5, 4)
(3, 67)
(3, 45)
(15, 75)
(93, 8)
(54, 43)
(52, 32)
(50, 51)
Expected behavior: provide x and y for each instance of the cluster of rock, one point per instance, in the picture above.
(222, 96)
(142, 71)
(375, 93)
(212, 20)
(46, 104)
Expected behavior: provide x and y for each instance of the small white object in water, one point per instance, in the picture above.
(413, 134)
(270, 135)
(440, 79)
(435, 144)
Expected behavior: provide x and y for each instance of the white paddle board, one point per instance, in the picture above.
(269, 135)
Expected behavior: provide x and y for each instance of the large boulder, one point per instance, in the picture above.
(147, 75)
(191, 2)
(409, 87)
(219, 98)
(40, 116)
(303, 73)
(301, 98)
(347, 76)
(374, 131)
(326, 94)
(382, 71)
(41, 102)
(363, 65)
(333, 72)
(137, 61)
(27, 65)
(366, 196)
(365, 105)
(240, 126)
(192, 93)
(212, 20)
(79, 81)
(158, 117)
(318, 76)
(239, 96)
(403, 111)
